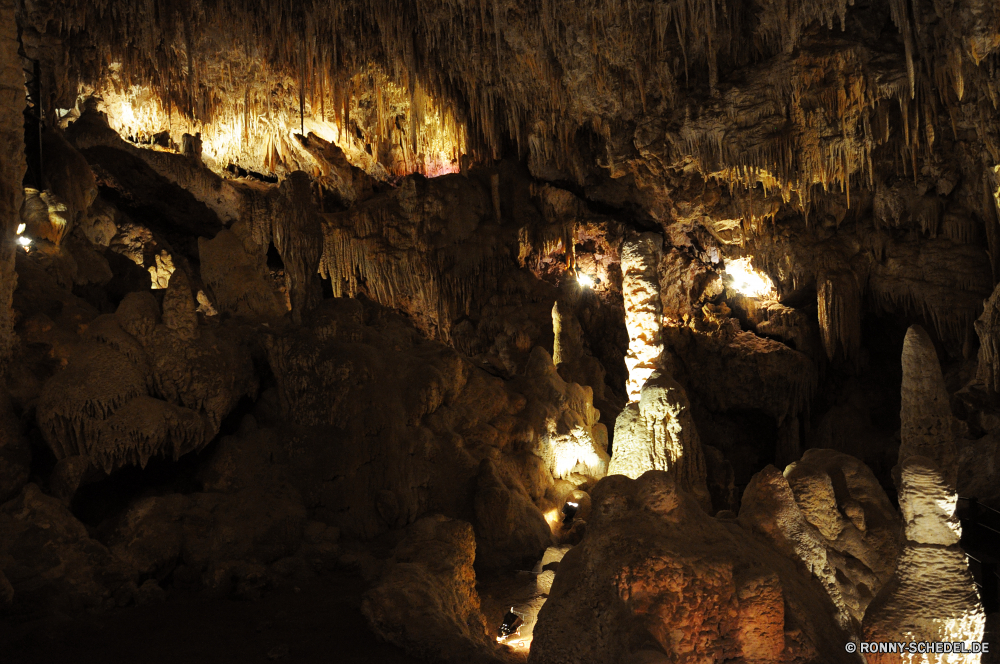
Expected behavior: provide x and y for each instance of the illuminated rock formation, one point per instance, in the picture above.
(658, 433)
(931, 596)
(829, 512)
(358, 288)
(641, 288)
(843, 500)
(696, 587)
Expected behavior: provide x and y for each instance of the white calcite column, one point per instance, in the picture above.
(641, 253)
(932, 596)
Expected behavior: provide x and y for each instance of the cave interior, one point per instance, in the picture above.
(558, 332)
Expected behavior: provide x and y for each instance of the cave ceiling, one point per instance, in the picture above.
(780, 103)
(701, 295)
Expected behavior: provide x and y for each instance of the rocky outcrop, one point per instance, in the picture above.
(988, 330)
(139, 386)
(840, 496)
(768, 508)
(238, 280)
(829, 511)
(657, 579)
(735, 370)
(298, 236)
(510, 529)
(657, 432)
(570, 438)
(931, 596)
(218, 538)
(15, 452)
(426, 601)
(415, 424)
(50, 561)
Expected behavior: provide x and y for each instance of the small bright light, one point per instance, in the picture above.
(572, 504)
(747, 280)
(20, 228)
(24, 241)
(127, 114)
(585, 280)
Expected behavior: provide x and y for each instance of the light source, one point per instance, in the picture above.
(746, 280)
(20, 228)
(585, 280)
(24, 242)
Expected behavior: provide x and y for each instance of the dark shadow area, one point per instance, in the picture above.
(320, 623)
(856, 410)
(99, 502)
(128, 183)
(747, 439)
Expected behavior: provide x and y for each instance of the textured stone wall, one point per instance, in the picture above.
(12, 167)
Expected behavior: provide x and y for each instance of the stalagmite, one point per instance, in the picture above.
(641, 289)
(931, 596)
(658, 433)
(289, 274)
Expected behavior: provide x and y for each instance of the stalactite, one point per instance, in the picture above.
(839, 302)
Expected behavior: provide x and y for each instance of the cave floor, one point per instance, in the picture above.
(321, 623)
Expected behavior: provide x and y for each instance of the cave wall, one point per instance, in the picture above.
(12, 166)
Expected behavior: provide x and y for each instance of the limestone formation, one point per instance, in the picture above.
(298, 295)
(238, 280)
(135, 388)
(509, 527)
(931, 596)
(641, 288)
(658, 433)
(734, 370)
(48, 557)
(210, 534)
(828, 511)
(987, 327)
(841, 497)
(657, 579)
(426, 601)
(769, 509)
(571, 440)
(15, 452)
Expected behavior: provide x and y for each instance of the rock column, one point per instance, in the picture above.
(658, 433)
(932, 596)
(641, 253)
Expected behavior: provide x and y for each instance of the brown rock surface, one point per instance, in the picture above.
(829, 511)
(134, 388)
(655, 574)
(50, 560)
(12, 171)
(426, 602)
